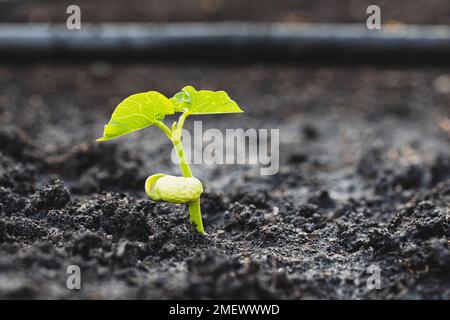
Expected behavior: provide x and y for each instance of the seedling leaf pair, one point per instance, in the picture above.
(141, 110)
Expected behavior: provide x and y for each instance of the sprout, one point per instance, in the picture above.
(141, 110)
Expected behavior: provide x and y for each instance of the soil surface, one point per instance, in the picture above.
(364, 181)
(398, 11)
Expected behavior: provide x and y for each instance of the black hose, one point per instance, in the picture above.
(227, 41)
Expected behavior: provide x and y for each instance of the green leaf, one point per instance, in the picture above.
(204, 101)
(136, 112)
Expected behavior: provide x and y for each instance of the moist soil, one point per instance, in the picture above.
(363, 183)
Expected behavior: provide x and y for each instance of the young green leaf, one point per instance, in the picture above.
(204, 101)
(136, 112)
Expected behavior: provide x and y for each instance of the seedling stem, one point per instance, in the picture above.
(195, 216)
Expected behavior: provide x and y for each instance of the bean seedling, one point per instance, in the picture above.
(141, 110)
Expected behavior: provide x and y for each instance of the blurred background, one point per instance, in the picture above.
(323, 11)
(61, 101)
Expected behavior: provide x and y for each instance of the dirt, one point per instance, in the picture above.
(364, 181)
(350, 11)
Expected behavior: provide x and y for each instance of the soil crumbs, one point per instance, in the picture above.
(364, 182)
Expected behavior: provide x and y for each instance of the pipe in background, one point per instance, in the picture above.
(227, 42)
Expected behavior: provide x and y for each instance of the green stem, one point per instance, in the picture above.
(184, 165)
(195, 215)
(164, 128)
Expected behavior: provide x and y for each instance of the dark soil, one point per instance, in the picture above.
(364, 180)
(398, 11)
